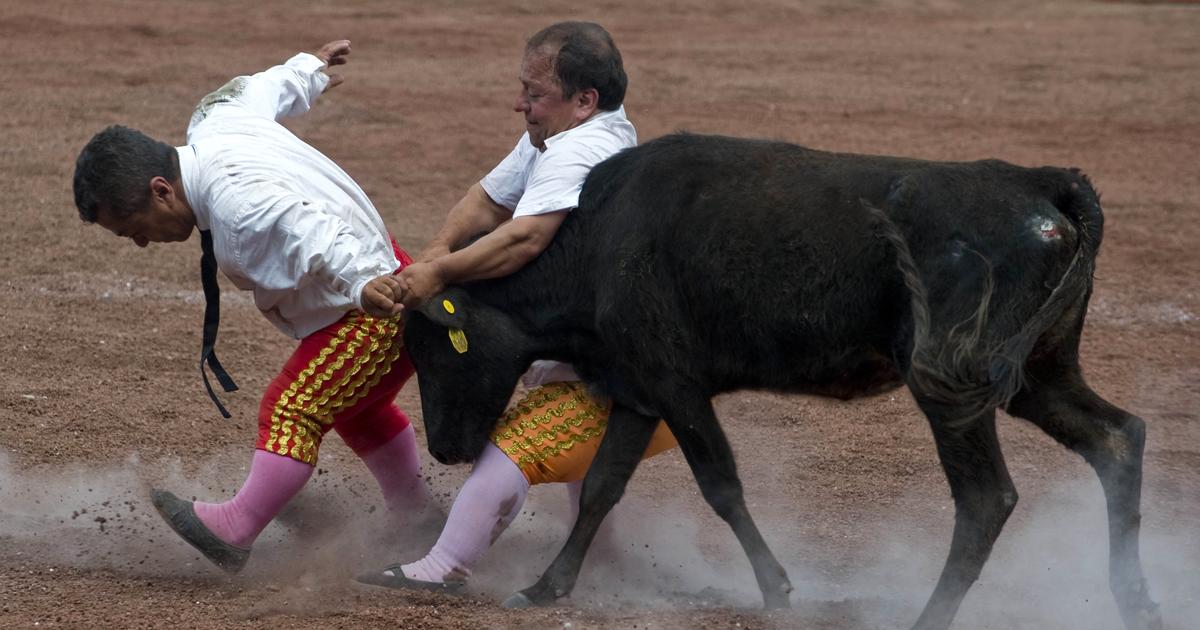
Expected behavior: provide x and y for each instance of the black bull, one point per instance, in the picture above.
(698, 265)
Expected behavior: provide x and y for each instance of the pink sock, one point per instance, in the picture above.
(272, 482)
(397, 467)
(489, 500)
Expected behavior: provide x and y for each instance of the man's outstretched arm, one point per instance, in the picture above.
(288, 89)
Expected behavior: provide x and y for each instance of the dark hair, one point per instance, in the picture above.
(586, 57)
(114, 170)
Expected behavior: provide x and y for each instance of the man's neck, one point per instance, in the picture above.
(180, 188)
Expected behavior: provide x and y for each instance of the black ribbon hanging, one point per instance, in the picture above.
(212, 317)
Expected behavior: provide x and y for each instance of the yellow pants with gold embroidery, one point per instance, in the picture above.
(553, 432)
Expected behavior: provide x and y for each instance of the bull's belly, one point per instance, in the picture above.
(857, 386)
(869, 375)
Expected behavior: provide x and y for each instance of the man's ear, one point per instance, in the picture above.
(160, 188)
(586, 103)
(448, 308)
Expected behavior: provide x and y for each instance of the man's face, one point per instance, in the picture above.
(164, 219)
(541, 100)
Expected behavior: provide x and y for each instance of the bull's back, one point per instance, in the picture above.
(762, 262)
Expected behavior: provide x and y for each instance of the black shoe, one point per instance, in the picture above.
(182, 518)
(399, 580)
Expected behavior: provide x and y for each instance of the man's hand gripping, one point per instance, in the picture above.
(381, 297)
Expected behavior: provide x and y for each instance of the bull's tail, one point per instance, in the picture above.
(1078, 200)
(980, 379)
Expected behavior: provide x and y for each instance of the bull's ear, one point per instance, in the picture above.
(448, 308)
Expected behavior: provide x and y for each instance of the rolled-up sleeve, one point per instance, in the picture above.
(558, 176)
(505, 184)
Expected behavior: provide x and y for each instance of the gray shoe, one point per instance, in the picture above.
(181, 516)
(398, 580)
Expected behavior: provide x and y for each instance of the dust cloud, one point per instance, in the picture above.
(1049, 568)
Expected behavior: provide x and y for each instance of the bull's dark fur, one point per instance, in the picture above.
(698, 265)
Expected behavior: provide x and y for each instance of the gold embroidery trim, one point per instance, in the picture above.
(285, 415)
(303, 419)
(549, 433)
(550, 452)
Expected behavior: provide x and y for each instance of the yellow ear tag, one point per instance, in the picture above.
(448, 305)
(458, 339)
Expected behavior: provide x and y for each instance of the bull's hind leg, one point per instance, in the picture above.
(1111, 440)
(984, 497)
(621, 449)
(708, 453)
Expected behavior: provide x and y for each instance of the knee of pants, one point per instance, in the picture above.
(348, 369)
(373, 427)
(286, 428)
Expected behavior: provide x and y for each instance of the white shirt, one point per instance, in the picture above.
(531, 182)
(287, 223)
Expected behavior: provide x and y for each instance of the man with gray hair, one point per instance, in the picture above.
(572, 89)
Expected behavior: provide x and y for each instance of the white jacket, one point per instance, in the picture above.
(287, 223)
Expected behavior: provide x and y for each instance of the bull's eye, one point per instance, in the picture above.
(458, 339)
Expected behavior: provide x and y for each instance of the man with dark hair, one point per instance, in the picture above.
(572, 90)
(282, 220)
(586, 58)
(113, 170)
(568, 70)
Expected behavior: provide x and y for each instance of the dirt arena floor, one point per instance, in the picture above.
(100, 399)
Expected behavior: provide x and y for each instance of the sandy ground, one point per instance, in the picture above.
(99, 396)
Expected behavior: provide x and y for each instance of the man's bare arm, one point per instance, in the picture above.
(503, 251)
(500, 253)
(473, 214)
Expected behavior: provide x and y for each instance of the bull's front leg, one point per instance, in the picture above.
(707, 450)
(620, 450)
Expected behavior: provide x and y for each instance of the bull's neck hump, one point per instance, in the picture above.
(554, 294)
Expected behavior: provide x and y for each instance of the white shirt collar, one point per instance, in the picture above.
(601, 117)
(189, 174)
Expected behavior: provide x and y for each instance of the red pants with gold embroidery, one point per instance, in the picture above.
(344, 377)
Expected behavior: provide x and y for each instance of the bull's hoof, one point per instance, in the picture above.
(517, 600)
(778, 600)
(1138, 611)
(1147, 619)
(778, 603)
